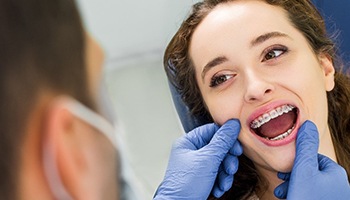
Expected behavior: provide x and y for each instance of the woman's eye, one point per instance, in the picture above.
(274, 53)
(217, 80)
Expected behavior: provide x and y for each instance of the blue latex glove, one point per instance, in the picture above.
(313, 176)
(202, 161)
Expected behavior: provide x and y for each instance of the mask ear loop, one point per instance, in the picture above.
(90, 117)
(52, 175)
(49, 155)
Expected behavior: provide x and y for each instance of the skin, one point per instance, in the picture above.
(94, 62)
(253, 81)
(86, 159)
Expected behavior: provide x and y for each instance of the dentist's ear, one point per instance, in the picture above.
(328, 70)
(71, 156)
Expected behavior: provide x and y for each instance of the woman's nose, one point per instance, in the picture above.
(258, 87)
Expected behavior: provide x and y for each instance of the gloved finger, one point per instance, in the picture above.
(230, 164)
(222, 184)
(237, 149)
(328, 165)
(307, 148)
(224, 139)
(224, 181)
(217, 192)
(281, 191)
(199, 137)
(325, 162)
(283, 176)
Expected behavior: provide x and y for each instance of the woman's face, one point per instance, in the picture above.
(252, 64)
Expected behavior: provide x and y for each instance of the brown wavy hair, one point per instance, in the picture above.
(303, 16)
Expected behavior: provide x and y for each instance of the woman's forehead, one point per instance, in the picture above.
(237, 23)
(242, 17)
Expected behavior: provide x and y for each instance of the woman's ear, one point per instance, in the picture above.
(326, 63)
(66, 143)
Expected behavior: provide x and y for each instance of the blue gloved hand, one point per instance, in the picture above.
(313, 176)
(202, 161)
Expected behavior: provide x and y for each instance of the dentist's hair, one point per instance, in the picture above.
(41, 50)
(305, 17)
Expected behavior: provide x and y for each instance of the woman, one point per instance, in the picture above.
(271, 65)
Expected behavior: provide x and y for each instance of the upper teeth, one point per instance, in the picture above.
(266, 117)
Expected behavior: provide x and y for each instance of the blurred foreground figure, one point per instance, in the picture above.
(53, 141)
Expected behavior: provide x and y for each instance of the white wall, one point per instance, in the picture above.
(134, 35)
(131, 29)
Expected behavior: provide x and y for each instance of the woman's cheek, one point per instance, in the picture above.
(220, 117)
(242, 137)
(247, 140)
(224, 107)
(215, 112)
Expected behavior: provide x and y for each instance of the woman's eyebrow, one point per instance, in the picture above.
(267, 36)
(216, 61)
(260, 39)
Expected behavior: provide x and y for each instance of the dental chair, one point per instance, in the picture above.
(337, 20)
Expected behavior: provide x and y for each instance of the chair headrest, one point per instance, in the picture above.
(188, 121)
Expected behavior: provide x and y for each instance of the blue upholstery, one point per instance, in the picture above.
(337, 18)
(188, 121)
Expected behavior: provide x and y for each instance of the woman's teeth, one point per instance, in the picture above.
(266, 117)
(282, 136)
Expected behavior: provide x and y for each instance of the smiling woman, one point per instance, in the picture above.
(271, 65)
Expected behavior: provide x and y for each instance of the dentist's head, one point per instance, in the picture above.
(55, 143)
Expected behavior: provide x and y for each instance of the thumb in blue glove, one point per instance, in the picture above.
(313, 176)
(202, 161)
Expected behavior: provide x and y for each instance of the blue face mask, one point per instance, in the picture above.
(88, 116)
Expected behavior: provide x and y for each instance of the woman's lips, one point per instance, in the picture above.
(270, 112)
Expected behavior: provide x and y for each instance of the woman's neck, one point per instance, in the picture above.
(267, 184)
(326, 146)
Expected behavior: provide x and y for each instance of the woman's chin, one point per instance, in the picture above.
(286, 168)
(280, 163)
(284, 164)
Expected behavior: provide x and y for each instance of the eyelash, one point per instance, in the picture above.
(281, 49)
(220, 79)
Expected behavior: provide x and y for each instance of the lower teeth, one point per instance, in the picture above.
(282, 136)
